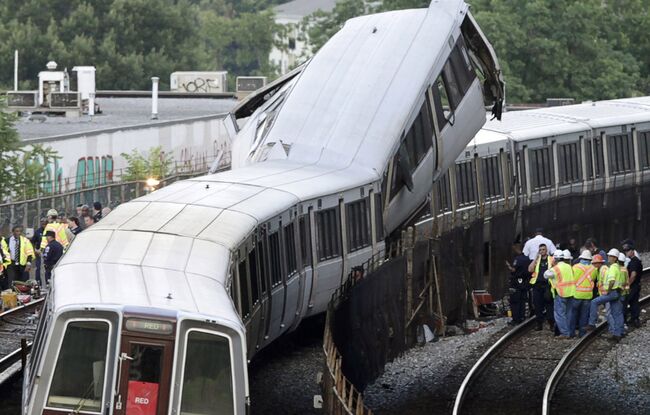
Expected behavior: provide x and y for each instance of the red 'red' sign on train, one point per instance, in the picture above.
(142, 398)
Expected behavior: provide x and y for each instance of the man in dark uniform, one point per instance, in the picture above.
(519, 283)
(51, 254)
(542, 298)
(634, 270)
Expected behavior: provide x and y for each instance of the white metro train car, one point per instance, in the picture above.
(539, 154)
(158, 308)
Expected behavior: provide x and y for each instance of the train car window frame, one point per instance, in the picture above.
(275, 259)
(244, 291)
(643, 138)
(443, 193)
(379, 216)
(254, 277)
(58, 355)
(328, 228)
(621, 153)
(462, 68)
(599, 158)
(304, 229)
(358, 224)
(263, 261)
(590, 162)
(184, 364)
(541, 165)
(491, 169)
(570, 163)
(466, 187)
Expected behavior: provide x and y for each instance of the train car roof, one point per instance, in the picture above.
(555, 121)
(353, 99)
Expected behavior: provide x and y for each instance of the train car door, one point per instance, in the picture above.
(144, 374)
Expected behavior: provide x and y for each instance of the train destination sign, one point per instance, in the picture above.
(149, 326)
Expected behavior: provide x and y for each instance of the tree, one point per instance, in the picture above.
(23, 167)
(156, 164)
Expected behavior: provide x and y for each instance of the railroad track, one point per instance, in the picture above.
(512, 377)
(15, 325)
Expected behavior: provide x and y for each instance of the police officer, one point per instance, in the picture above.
(519, 283)
(542, 299)
(634, 268)
(563, 286)
(59, 229)
(51, 254)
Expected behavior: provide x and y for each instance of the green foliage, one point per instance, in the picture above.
(585, 49)
(129, 41)
(23, 168)
(156, 164)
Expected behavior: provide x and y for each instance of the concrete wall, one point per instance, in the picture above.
(93, 158)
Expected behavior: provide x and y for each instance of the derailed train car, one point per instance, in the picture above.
(159, 307)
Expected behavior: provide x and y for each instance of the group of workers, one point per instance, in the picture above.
(18, 254)
(567, 292)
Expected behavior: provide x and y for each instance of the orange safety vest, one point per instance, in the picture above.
(533, 279)
(563, 283)
(582, 274)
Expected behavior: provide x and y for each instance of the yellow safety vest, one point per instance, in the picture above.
(602, 278)
(563, 282)
(614, 274)
(536, 272)
(584, 276)
(624, 279)
(59, 231)
(6, 257)
(26, 251)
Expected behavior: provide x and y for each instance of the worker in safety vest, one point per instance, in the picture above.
(542, 298)
(59, 230)
(624, 281)
(563, 288)
(609, 287)
(585, 276)
(5, 260)
(21, 255)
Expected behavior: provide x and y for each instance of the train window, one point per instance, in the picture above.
(244, 307)
(441, 102)
(290, 248)
(599, 157)
(491, 169)
(358, 222)
(329, 236)
(466, 182)
(78, 379)
(262, 254)
(379, 217)
(305, 240)
(569, 163)
(207, 375)
(462, 67)
(419, 137)
(540, 168)
(255, 288)
(621, 154)
(644, 149)
(401, 171)
(443, 193)
(589, 162)
(274, 256)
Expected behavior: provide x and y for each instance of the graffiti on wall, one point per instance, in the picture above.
(94, 171)
(53, 177)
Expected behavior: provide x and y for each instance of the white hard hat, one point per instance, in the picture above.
(622, 257)
(557, 254)
(566, 254)
(585, 255)
(52, 212)
(613, 252)
(549, 274)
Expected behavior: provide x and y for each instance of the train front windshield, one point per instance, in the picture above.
(207, 377)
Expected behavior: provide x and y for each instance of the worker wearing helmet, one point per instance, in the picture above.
(563, 289)
(585, 276)
(59, 230)
(610, 293)
(542, 299)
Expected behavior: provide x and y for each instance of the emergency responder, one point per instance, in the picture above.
(609, 289)
(21, 254)
(51, 254)
(563, 288)
(5, 260)
(634, 268)
(59, 230)
(585, 276)
(542, 300)
(624, 281)
(519, 283)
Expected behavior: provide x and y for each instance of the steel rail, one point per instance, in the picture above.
(572, 354)
(483, 361)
